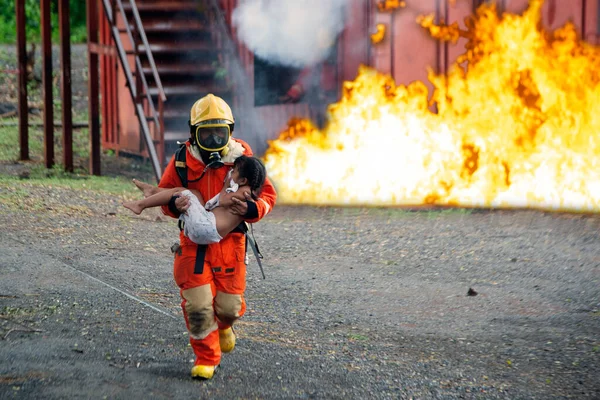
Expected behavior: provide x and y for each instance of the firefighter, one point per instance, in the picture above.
(212, 278)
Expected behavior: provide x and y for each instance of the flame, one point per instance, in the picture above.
(518, 127)
(378, 36)
(389, 5)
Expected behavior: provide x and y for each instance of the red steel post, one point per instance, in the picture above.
(65, 66)
(583, 15)
(22, 59)
(47, 83)
(93, 103)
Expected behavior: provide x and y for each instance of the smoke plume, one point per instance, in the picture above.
(294, 33)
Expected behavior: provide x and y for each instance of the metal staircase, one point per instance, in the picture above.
(178, 59)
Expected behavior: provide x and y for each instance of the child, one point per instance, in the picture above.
(210, 222)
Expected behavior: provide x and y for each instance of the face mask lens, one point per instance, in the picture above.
(212, 137)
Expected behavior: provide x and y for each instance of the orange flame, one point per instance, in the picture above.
(518, 127)
(378, 36)
(390, 5)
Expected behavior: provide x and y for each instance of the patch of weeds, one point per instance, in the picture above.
(9, 142)
(352, 211)
(448, 212)
(356, 336)
(389, 212)
(18, 198)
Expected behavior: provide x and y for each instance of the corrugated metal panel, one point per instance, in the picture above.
(592, 21)
(413, 49)
(355, 40)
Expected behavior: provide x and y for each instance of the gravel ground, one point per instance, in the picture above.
(358, 303)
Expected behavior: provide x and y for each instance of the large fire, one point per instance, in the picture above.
(519, 127)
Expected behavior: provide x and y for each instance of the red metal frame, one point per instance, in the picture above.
(65, 67)
(47, 83)
(22, 60)
(93, 78)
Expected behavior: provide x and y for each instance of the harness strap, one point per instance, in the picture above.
(200, 255)
(181, 165)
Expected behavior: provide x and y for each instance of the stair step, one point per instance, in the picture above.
(171, 136)
(190, 89)
(176, 113)
(188, 25)
(189, 28)
(162, 6)
(181, 69)
(171, 47)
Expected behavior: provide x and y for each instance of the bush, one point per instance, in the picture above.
(8, 25)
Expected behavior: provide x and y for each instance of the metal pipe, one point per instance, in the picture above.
(47, 83)
(446, 50)
(65, 66)
(22, 59)
(583, 16)
(438, 47)
(93, 78)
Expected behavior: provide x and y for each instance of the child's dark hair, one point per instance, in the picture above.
(254, 171)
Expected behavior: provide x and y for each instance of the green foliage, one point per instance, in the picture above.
(8, 25)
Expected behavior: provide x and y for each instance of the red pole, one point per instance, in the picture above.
(438, 50)
(22, 57)
(583, 16)
(47, 83)
(93, 79)
(65, 65)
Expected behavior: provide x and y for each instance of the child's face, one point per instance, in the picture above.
(235, 176)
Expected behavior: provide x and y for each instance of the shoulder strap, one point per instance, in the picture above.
(250, 240)
(180, 165)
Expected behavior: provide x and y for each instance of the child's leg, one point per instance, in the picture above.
(146, 188)
(161, 198)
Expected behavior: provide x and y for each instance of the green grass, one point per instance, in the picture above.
(56, 177)
(9, 141)
(37, 174)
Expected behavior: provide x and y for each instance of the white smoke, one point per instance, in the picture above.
(295, 33)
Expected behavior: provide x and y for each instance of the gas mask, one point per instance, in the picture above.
(212, 138)
(214, 160)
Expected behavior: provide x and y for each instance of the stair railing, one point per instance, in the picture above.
(138, 86)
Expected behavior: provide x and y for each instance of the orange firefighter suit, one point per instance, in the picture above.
(212, 278)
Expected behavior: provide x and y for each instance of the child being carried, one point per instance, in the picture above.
(208, 222)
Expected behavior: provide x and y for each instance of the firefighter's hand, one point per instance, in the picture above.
(240, 207)
(182, 203)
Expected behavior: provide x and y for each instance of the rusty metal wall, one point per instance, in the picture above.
(406, 53)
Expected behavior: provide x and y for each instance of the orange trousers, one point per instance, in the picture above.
(212, 281)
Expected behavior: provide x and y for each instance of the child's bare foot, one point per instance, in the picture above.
(146, 188)
(133, 206)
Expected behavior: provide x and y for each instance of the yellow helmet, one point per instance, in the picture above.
(211, 123)
(210, 107)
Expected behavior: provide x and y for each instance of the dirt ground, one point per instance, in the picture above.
(358, 303)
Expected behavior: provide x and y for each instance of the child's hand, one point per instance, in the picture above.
(240, 207)
(182, 203)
